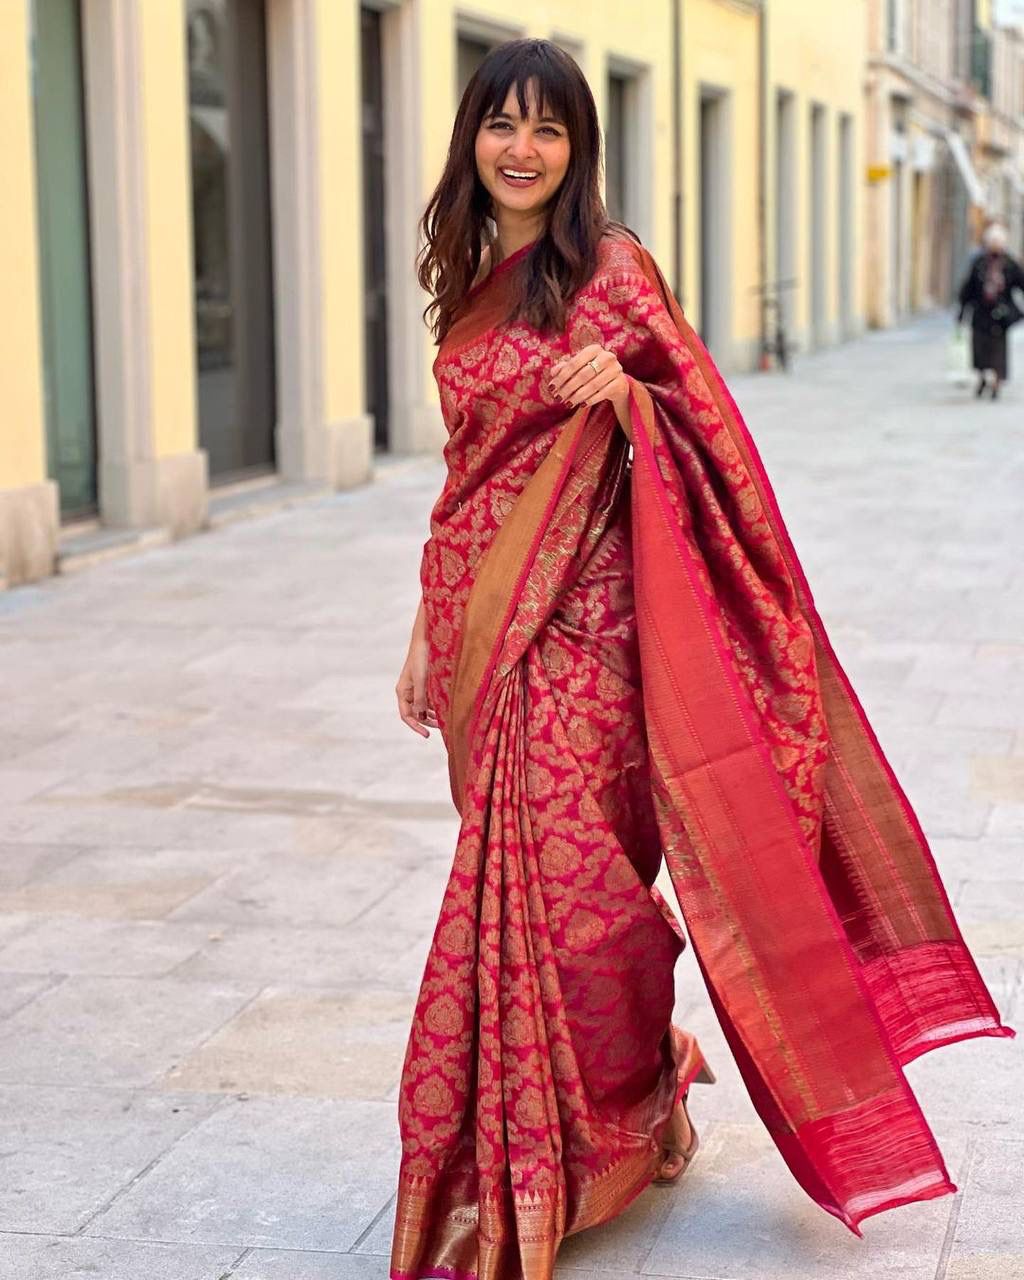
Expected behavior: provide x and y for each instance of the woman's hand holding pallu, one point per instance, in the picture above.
(590, 375)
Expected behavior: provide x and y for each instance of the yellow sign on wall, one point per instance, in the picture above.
(879, 172)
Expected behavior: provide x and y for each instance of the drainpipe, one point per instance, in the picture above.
(762, 170)
(678, 211)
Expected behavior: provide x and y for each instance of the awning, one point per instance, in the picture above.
(972, 182)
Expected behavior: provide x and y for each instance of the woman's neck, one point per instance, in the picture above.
(513, 235)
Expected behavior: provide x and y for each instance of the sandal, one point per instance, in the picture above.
(706, 1076)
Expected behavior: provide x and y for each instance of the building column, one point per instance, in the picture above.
(151, 472)
(28, 500)
(419, 70)
(323, 432)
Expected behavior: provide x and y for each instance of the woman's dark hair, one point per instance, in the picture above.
(454, 223)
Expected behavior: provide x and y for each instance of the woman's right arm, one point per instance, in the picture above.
(411, 688)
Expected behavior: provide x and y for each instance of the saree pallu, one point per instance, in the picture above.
(627, 665)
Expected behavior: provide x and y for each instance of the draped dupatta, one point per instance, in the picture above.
(813, 904)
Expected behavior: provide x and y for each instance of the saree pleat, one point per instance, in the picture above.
(543, 1064)
(628, 667)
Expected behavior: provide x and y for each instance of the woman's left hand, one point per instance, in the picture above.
(588, 376)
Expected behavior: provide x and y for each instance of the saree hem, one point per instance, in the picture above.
(595, 1201)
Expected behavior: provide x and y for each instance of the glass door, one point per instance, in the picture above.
(374, 249)
(64, 275)
(233, 288)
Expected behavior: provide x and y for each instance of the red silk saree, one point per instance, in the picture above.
(627, 665)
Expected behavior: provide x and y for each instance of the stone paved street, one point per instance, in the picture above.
(221, 857)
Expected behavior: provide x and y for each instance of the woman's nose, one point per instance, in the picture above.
(522, 148)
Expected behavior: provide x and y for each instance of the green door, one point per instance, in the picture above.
(62, 211)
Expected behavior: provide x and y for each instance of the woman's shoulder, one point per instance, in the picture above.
(620, 254)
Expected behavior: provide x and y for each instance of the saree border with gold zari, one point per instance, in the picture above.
(824, 934)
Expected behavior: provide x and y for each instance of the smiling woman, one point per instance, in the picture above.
(622, 655)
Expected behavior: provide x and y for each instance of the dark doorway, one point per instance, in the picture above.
(713, 227)
(374, 236)
(615, 148)
(234, 310)
(64, 268)
(470, 51)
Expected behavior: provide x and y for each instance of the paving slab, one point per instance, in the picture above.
(19, 989)
(20, 863)
(113, 1031)
(125, 948)
(318, 1044)
(269, 1264)
(69, 1152)
(118, 882)
(986, 1242)
(986, 858)
(973, 1083)
(991, 914)
(297, 1173)
(24, 1257)
(358, 955)
(280, 890)
(740, 1215)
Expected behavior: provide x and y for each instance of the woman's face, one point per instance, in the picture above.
(508, 145)
(995, 239)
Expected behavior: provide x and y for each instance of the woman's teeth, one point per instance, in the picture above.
(518, 177)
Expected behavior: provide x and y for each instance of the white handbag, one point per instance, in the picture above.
(958, 356)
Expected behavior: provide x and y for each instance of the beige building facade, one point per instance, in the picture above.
(210, 226)
(945, 124)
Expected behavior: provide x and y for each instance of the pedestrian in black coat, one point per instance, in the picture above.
(987, 290)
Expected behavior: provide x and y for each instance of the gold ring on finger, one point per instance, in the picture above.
(593, 364)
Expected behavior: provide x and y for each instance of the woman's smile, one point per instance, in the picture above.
(519, 177)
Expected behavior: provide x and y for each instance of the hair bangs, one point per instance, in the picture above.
(530, 62)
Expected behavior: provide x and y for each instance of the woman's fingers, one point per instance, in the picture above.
(601, 392)
(411, 709)
(573, 372)
(575, 380)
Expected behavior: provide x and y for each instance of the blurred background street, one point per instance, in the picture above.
(221, 857)
(209, 226)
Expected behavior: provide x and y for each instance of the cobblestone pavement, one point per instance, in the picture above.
(222, 857)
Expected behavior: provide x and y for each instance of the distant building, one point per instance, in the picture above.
(945, 90)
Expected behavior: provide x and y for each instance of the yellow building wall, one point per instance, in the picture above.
(168, 228)
(720, 51)
(22, 416)
(818, 52)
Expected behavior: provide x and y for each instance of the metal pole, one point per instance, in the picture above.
(762, 171)
(678, 210)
